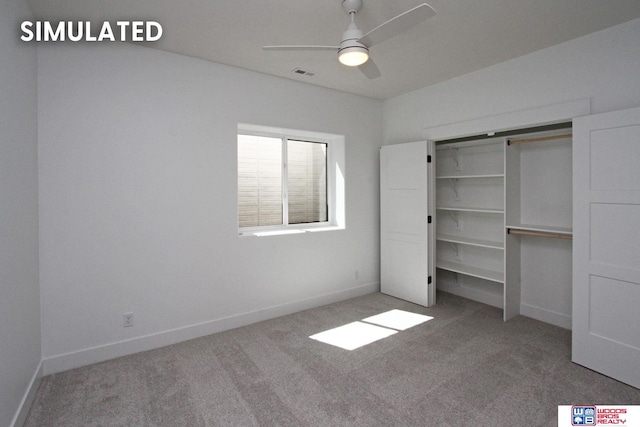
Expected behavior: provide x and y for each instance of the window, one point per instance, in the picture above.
(288, 180)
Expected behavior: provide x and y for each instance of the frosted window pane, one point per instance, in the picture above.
(307, 182)
(259, 181)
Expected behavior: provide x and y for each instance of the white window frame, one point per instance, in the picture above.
(335, 181)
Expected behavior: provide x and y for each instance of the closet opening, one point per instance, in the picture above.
(503, 214)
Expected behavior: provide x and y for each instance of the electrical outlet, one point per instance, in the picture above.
(128, 320)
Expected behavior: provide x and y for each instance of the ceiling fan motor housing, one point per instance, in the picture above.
(351, 37)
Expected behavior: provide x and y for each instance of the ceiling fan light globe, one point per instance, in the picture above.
(353, 56)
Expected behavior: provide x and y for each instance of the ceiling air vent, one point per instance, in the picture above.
(302, 72)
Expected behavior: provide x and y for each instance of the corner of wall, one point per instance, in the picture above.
(29, 396)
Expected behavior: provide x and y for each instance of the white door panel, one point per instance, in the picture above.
(404, 229)
(615, 158)
(606, 249)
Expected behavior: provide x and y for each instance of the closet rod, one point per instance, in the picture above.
(539, 234)
(542, 138)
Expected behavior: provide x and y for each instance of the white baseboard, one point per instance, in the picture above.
(64, 362)
(547, 316)
(29, 395)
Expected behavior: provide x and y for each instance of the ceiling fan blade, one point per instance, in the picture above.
(300, 47)
(370, 69)
(397, 25)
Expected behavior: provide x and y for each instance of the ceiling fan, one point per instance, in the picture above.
(354, 47)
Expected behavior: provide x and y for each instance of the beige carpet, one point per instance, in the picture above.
(463, 367)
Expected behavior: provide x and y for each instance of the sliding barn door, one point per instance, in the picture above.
(606, 264)
(404, 223)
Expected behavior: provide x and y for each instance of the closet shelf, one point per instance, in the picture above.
(497, 175)
(469, 241)
(456, 267)
(469, 209)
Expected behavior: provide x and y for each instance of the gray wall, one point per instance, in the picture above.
(19, 292)
(602, 66)
(138, 209)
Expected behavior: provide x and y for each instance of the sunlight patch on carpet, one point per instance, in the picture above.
(398, 319)
(357, 334)
(353, 335)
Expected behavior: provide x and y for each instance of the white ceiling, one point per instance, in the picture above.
(465, 35)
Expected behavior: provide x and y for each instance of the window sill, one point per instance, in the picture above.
(289, 230)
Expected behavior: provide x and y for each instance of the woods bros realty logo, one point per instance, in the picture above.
(596, 415)
(76, 31)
